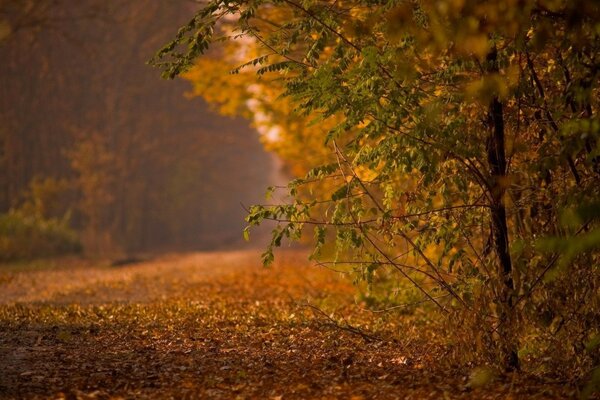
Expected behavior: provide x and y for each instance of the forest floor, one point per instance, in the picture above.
(219, 326)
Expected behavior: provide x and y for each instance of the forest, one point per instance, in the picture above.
(319, 199)
(90, 135)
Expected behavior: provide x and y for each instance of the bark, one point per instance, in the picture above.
(498, 171)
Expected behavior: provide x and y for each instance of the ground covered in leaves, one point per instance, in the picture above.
(218, 325)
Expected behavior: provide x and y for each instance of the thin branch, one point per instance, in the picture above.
(405, 305)
(440, 280)
(345, 327)
(553, 124)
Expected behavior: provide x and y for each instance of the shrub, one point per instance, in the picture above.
(25, 236)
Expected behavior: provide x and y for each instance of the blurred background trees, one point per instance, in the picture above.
(93, 141)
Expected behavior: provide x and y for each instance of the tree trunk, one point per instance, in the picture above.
(498, 171)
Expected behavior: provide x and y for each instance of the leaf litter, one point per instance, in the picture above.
(219, 326)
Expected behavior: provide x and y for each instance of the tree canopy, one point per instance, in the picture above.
(453, 144)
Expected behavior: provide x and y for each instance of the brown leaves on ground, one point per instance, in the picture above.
(218, 325)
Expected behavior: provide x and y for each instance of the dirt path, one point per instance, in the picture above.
(136, 282)
(214, 325)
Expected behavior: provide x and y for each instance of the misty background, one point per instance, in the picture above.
(91, 135)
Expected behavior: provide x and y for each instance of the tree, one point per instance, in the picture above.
(79, 106)
(464, 134)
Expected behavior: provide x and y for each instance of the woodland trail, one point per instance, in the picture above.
(216, 326)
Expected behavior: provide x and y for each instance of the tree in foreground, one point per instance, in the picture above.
(455, 146)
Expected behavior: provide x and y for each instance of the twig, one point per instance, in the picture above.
(346, 326)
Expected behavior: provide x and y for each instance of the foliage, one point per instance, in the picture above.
(41, 226)
(24, 236)
(461, 132)
(47, 198)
